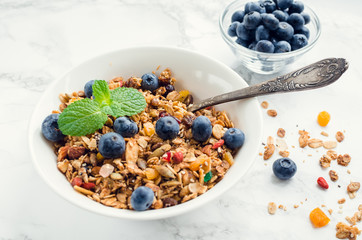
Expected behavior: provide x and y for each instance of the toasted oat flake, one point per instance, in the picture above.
(348, 171)
(284, 153)
(353, 187)
(332, 154)
(339, 136)
(333, 175)
(315, 143)
(272, 113)
(344, 160)
(281, 132)
(264, 104)
(272, 208)
(270, 140)
(303, 138)
(329, 144)
(269, 151)
(282, 144)
(296, 206)
(344, 231)
(341, 201)
(323, 133)
(330, 211)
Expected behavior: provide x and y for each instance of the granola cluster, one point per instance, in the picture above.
(146, 160)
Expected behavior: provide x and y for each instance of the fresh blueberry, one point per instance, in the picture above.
(149, 82)
(284, 4)
(296, 21)
(282, 47)
(167, 128)
(296, 7)
(252, 45)
(284, 31)
(298, 41)
(252, 20)
(264, 46)
(88, 88)
(232, 29)
(242, 42)
(201, 129)
(280, 15)
(305, 31)
(238, 16)
(261, 33)
(245, 34)
(111, 145)
(125, 126)
(254, 7)
(269, 5)
(50, 128)
(234, 138)
(306, 17)
(284, 168)
(142, 198)
(270, 22)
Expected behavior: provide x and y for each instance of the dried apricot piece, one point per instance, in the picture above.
(318, 218)
(323, 118)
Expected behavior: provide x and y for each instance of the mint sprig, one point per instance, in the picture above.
(86, 116)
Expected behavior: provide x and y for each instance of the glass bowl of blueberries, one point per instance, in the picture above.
(267, 35)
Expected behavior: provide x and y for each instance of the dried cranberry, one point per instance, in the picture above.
(163, 114)
(77, 181)
(322, 182)
(218, 144)
(177, 157)
(88, 185)
(167, 157)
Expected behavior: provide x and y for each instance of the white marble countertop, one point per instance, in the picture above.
(41, 39)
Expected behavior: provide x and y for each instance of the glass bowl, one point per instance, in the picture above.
(265, 63)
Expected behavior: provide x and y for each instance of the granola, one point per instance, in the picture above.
(145, 163)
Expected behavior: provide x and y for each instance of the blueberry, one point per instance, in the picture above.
(264, 46)
(284, 31)
(296, 7)
(262, 33)
(280, 15)
(282, 47)
(88, 88)
(252, 45)
(298, 41)
(201, 129)
(242, 42)
(167, 128)
(284, 4)
(269, 5)
(284, 168)
(232, 29)
(234, 138)
(296, 21)
(149, 82)
(254, 7)
(305, 31)
(142, 198)
(125, 126)
(252, 20)
(50, 128)
(245, 34)
(111, 145)
(270, 22)
(238, 16)
(306, 17)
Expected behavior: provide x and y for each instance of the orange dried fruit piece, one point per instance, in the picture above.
(323, 118)
(318, 218)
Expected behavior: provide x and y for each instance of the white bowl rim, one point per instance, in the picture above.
(151, 214)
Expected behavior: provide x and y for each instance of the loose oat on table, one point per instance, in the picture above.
(329, 144)
(325, 161)
(344, 159)
(269, 151)
(315, 143)
(333, 175)
(272, 208)
(303, 138)
(264, 104)
(339, 136)
(344, 231)
(281, 132)
(341, 201)
(143, 163)
(272, 113)
(323, 133)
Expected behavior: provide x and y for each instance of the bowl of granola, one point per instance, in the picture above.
(126, 146)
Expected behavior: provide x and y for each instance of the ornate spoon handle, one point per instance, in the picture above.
(316, 75)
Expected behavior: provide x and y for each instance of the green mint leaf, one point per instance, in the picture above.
(127, 102)
(81, 118)
(101, 93)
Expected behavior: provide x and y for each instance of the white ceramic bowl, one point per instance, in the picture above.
(203, 76)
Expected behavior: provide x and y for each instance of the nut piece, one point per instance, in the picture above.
(269, 151)
(272, 112)
(281, 132)
(272, 208)
(333, 175)
(329, 144)
(75, 152)
(344, 231)
(264, 104)
(325, 161)
(339, 136)
(353, 187)
(315, 143)
(343, 160)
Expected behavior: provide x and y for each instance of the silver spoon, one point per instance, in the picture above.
(316, 75)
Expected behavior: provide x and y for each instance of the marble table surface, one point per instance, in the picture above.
(41, 39)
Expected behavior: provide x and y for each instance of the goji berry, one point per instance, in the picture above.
(88, 185)
(218, 144)
(322, 182)
(77, 181)
(177, 157)
(166, 157)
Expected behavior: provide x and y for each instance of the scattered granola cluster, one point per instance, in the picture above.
(176, 170)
